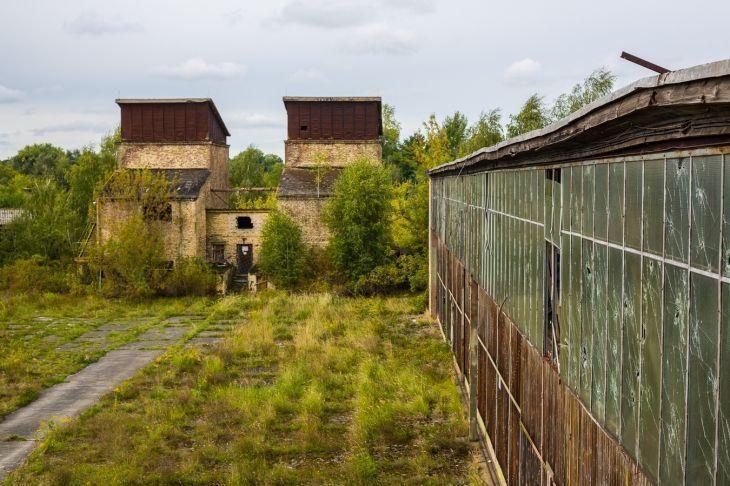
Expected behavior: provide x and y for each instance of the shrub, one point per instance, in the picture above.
(407, 272)
(190, 276)
(133, 263)
(283, 255)
(358, 217)
(34, 274)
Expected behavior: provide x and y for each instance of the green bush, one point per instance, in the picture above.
(34, 274)
(283, 254)
(407, 272)
(358, 218)
(190, 276)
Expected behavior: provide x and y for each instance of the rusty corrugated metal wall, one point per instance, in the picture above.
(639, 391)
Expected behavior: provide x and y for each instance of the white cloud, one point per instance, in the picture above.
(381, 39)
(91, 23)
(256, 120)
(80, 126)
(414, 6)
(199, 68)
(9, 95)
(522, 71)
(307, 75)
(330, 14)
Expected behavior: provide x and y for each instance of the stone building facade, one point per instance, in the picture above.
(324, 135)
(186, 141)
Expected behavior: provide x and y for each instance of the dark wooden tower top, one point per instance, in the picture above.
(171, 120)
(341, 118)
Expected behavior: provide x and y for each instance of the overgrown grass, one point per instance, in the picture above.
(311, 389)
(34, 329)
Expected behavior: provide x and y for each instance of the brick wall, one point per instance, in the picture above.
(308, 153)
(222, 228)
(307, 213)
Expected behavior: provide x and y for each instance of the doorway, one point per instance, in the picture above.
(244, 258)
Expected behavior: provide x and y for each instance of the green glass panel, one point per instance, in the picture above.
(600, 224)
(701, 398)
(676, 217)
(726, 218)
(674, 368)
(557, 209)
(630, 356)
(549, 210)
(723, 428)
(567, 189)
(587, 209)
(616, 203)
(576, 198)
(653, 207)
(706, 203)
(566, 307)
(651, 323)
(576, 287)
(632, 221)
(613, 339)
(598, 367)
(586, 324)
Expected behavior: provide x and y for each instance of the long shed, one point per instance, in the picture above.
(581, 274)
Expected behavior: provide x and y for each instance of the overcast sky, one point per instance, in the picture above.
(62, 63)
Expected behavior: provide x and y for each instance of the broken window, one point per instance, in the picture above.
(218, 253)
(244, 222)
(552, 303)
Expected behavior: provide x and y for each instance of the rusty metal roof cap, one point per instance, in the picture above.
(156, 101)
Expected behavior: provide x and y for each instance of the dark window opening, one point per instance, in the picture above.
(163, 213)
(553, 175)
(551, 344)
(218, 253)
(303, 128)
(244, 222)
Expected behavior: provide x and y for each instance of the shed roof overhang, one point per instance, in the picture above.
(681, 109)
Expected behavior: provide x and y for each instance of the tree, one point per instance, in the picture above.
(89, 170)
(487, 131)
(532, 116)
(456, 130)
(599, 83)
(435, 149)
(47, 227)
(357, 215)
(41, 160)
(13, 187)
(283, 255)
(253, 168)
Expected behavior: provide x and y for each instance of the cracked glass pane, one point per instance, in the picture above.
(576, 198)
(674, 366)
(613, 340)
(701, 398)
(616, 203)
(651, 335)
(630, 356)
(653, 206)
(726, 219)
(586, 326)
(723, 440)
(600, 224)
(587, 208)
(566, 317)
(633, 205)
(576, 289)
(677, 209)
(600, 298)
(706, 200)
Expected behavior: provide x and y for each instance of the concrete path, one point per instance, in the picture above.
(21, 430)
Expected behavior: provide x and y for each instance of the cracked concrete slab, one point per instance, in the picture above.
(66, 400)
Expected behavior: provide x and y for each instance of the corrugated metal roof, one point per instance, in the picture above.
(511, 147)
(152, 101)
(9, 214)
(304, 182)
